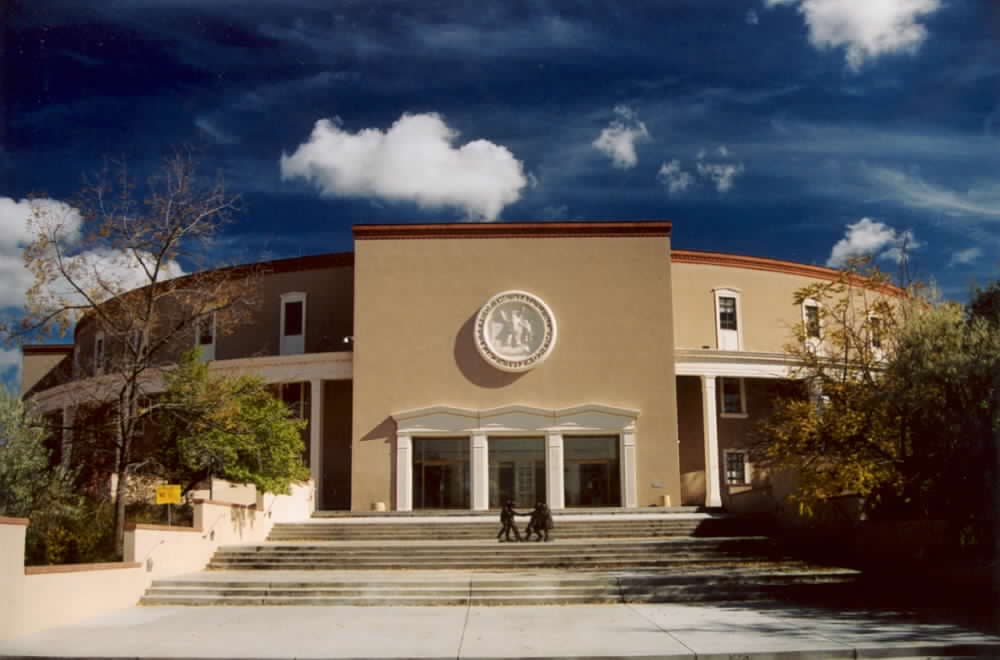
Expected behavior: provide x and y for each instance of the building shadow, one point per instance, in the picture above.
(472, 365)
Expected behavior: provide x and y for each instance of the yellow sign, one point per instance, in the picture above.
(169, 494)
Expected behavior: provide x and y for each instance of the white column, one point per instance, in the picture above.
(628, 468)
(404, 472)
(713, 497)
(479, 453)
(68, 415)
(554, 470)
(316, 439)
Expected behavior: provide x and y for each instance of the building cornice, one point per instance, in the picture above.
(511, 230)
(47, 349)
(746, 262)
(753, 263)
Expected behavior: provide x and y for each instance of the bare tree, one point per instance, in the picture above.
(127, 263)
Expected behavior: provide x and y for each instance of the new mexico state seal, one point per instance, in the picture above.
(515, 331)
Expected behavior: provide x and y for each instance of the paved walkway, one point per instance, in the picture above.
(742, 631)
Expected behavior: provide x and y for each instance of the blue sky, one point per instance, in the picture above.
(797, 129)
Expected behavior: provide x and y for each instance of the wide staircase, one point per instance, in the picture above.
(671, 557)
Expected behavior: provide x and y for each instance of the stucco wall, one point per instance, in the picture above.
(329, 309)
(36, 365)
(767, 311)
(43, 597)
(416, 301)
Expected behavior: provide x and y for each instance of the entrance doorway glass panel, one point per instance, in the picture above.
(591, 473)
(517, 471)
(441, 473)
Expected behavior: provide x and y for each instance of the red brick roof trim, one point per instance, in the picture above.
(762, 263)
(47, 349)
(512, 230)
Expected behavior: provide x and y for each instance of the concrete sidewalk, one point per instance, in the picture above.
(740, 630)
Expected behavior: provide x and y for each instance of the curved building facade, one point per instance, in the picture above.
(451, 366)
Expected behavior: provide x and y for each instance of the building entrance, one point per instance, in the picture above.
(517, 471)
(441, 473)
(591, 471)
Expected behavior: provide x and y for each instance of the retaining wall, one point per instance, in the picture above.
(40, 597)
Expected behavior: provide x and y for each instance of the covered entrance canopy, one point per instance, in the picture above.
(459, 458)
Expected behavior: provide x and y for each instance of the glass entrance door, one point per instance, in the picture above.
(591, 471)
(441, 473)
(517, 471)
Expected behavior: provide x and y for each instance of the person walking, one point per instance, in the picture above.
(507, 525)
(541, 523)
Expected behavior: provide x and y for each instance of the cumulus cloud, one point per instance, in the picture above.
(966, 256)
(866, 29)
(872, 238)
(721, 174)
(97, 268)
(15, 232)
(674, 177)
(617, 141)
(414, 160)
(10, 366)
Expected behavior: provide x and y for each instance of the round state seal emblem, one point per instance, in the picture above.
(515, 331)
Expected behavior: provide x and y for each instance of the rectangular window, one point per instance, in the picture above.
(875, 330)
(206, 330)
(441, 473)
(591, 474)
(812, 321)
(727, 313)
(293, 318)
(733, 402)
(517, 471)
(736, 468)
(99, 354)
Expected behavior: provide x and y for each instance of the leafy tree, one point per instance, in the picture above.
(31, 488)
(904, 401)
(232, 428)
(113, 262)
(842, 437)
(942, 386)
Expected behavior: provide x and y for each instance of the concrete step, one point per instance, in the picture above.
(492, 547)
(335, 529)
(595, 589)
(610, 564)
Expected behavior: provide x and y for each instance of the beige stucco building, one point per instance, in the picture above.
(456, 365)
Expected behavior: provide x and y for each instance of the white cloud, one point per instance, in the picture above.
(15, 232)
(866, 29)
(752, 17)
(966, 256)
(10, 368)
(915, 192)
(414, 160)
(19, 220)
(618, 140)
(870, 237)
(674, 178)
(212, 130)
(722, 175)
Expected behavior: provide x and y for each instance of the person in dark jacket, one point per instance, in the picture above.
(540, 523)
(507, 525)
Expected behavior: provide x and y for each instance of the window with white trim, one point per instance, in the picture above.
(293, 323)
(732, 392)
(737, 467)
(728, 326)
(204, 336)
(99, 354)
(875, 332)
(810, 315)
